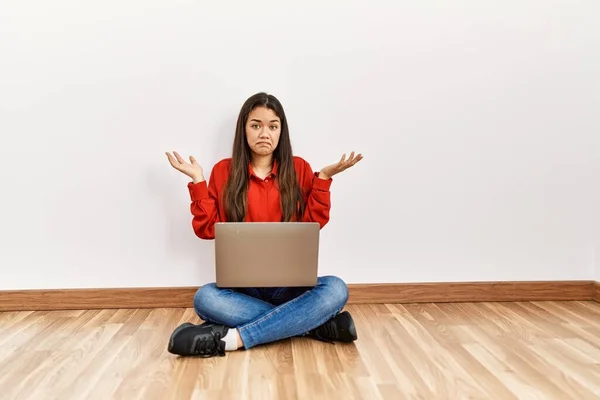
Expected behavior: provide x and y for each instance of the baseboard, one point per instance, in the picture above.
(178, 297)
(91, 299)
(472, 292)
(596, 291)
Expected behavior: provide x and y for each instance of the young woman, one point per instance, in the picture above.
(262, 182)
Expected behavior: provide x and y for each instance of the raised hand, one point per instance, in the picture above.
(342, 165)
(191, 169)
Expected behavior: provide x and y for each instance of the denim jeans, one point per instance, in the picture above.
(271, 314)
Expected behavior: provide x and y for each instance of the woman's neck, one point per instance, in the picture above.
(262, 162)
(262, 166)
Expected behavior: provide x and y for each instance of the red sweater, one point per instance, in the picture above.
(263, 197)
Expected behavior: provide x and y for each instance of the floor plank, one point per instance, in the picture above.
(537, 350)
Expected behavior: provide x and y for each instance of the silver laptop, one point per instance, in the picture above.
(266, 254)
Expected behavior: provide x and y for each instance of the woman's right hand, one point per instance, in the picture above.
(191, 169)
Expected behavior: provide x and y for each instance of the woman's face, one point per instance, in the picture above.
(262, 131)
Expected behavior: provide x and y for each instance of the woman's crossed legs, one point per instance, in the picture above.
(250, 317)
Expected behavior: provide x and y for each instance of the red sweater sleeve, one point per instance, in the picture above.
(204, 207)
(318, 201)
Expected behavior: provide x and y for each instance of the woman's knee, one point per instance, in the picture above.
(337, 290)
(205, 299)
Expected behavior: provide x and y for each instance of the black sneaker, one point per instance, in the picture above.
(198, 340)
(338, 329)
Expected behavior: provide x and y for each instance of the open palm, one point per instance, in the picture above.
(191, 169)
(342, 165)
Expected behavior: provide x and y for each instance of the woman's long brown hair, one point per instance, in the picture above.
(235, 196)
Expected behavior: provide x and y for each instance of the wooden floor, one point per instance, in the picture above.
(547, 350)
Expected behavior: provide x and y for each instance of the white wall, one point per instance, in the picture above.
(596, 276)
(478, 122)
(597, 265)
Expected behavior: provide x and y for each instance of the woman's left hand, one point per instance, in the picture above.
(342, 165)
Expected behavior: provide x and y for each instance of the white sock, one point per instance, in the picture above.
(230, 340)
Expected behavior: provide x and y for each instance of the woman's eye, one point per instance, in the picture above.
(255, 126)
(273, 127)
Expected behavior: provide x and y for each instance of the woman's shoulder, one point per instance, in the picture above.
(221, 168)
(302, 167)
(224, 163)
(300, 162)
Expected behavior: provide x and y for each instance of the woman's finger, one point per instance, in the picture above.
(357, 159)
(171, 159)
(352, 160)
(179, 158)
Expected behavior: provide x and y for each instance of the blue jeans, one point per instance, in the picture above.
(271, 314)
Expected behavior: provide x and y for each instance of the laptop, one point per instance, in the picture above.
(266, 254)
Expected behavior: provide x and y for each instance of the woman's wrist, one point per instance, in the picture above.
(324, 176)
(197, 179)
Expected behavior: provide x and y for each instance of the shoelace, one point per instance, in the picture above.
(208, 346)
